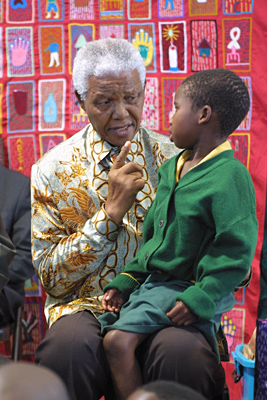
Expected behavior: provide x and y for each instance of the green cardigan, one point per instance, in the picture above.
(201, 229)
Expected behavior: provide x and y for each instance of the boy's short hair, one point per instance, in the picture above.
(224, 92)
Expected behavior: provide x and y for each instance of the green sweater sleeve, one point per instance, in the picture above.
(134, 273)
(129, 279)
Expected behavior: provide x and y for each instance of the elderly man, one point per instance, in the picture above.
(87, 215)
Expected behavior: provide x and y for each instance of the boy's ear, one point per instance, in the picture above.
(81, 102)
(205, 114)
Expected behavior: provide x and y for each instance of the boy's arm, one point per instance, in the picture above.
(229, 255)
(133, 275)
(218, 273)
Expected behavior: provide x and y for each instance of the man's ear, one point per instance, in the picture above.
(81, 102)
(205, 114)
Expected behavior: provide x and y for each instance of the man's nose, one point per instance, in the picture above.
(120, 110)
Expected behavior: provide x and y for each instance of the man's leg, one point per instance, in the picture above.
(179, 354)
(73, 348)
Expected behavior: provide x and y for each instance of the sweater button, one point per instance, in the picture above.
(161, 223)
(146, 256)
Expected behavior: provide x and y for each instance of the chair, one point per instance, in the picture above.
(14, 329)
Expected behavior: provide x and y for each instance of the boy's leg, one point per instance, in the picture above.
(180, 354)
(73, 348)
(120, 349)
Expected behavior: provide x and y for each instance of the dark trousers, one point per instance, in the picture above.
(73, 349)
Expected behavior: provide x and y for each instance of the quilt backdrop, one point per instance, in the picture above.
(38, 109)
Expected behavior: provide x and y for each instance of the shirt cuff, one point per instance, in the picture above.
(104, 225)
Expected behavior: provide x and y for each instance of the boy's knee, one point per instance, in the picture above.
(114, 343)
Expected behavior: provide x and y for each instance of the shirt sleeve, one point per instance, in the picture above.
(65, 257)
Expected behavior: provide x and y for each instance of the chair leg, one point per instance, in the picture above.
(17, 337)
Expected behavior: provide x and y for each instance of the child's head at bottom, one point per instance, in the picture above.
(162, 390)
(223, 91)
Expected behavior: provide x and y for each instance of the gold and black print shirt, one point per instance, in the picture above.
(76, 247)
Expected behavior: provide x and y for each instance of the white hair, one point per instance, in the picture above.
(105, 56)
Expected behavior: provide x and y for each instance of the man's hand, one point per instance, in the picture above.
(112, 300)
(181, 315)
(125, 180)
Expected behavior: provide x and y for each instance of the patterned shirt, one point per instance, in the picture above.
(77, 249)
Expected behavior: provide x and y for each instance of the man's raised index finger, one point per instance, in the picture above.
(121, 158)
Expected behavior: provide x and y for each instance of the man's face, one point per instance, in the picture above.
(114, 106)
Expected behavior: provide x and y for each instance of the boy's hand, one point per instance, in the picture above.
(181, 315)
(112, 300)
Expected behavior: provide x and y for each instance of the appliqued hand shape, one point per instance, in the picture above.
(144, 44)
(19, 52)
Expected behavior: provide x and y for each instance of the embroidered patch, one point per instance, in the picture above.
(114, 31)
(22, 153)
(50, 140)
(33, 286)
(245, 124)
(20, 11)
(79, 34)
(78, 117)
(150, 117)
(51, 49)
(20, 106)
(168, 87)
(203, 7)
(170, 8)
(241, 145)
(233, 326)
(19, 50)
(111, 9)
(139, 9)
(204, 45)
(51, 10)
(52, 98)
(240, 296)
(237, 7)
(237, 44)
(143, 38)
(82, 9)
(33, 328)
(173, 47)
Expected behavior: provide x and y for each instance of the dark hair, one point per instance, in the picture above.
(223, 91)
(170, 390)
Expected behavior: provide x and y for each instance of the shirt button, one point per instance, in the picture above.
(161, 223)
(146, 256)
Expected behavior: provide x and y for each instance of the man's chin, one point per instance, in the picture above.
(119, 138)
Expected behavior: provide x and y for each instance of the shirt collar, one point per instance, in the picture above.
(99, 149)
(187, 153)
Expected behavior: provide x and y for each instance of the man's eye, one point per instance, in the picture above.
(101, 102)
(131, 98)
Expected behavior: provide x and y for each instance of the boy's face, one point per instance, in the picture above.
(184, 122)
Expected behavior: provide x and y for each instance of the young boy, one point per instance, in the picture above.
(199, 234)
